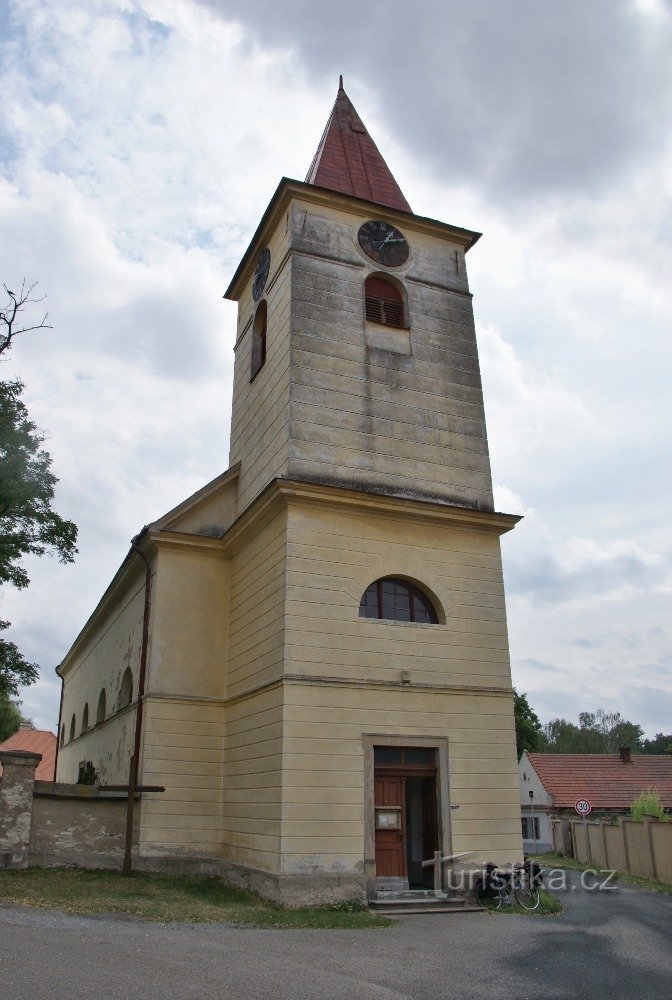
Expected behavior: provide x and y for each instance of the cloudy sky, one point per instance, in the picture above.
(140, 142)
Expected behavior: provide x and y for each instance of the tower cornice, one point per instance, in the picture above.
(289, 189)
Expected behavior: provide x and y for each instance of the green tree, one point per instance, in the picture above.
(10, 718)
(660, 744)
(597, 732)
(529, 733)
(28, 523)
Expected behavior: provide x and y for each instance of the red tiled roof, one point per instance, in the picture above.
(348, 160)
(602, 778)
(36, 741)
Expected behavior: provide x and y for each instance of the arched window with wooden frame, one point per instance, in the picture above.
(384, 302)
(394, 599)
(259, 338)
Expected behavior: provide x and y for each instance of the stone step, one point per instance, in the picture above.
(400, 911)
(416, 894)
(419, 903)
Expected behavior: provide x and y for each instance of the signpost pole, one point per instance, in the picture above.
(534, 839)
(583, 807)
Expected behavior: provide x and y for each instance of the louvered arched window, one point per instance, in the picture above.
(397, 600)
(384, 302)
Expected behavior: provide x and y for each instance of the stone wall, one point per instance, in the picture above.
(43, 823)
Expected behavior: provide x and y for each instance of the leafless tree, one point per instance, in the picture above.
(11, 318)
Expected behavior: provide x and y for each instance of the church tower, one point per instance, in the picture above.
(357, 398)
(324, 670)
(356, 360)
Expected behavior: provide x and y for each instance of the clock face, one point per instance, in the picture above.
(261, 273)
(383, 243)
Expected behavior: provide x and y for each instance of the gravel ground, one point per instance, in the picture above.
(612, 945)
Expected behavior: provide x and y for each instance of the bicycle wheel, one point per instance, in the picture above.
(526, 897)
(503, 899)
(480, 893)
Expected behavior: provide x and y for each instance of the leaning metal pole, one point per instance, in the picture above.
(135, 757)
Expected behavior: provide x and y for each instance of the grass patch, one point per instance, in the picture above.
(552, 860)
(169, 898)
(548, 905)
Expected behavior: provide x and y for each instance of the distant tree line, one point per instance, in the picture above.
(596, 732)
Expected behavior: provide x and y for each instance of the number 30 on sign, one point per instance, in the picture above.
(583, 807)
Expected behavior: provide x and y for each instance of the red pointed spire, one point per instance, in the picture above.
(348, 160)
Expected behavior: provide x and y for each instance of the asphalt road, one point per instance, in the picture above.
(606, 945)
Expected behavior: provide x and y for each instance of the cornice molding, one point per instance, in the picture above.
(436, 511)
(187, 542)
(289, 189)
(333, 681)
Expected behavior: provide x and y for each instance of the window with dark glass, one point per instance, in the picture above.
(397, 600)
(102, 707)
(384, 303)
(530, 828)
(126, 690)
(258, 339)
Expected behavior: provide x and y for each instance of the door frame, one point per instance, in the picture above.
(443, 833)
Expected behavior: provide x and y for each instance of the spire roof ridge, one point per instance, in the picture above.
(348, 160)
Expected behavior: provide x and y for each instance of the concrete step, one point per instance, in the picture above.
(422, 902)
(401, 911)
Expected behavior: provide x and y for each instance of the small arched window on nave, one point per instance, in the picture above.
(73, 723)
(101, 711)
(384, 302)
(85, 718)
(126, 690)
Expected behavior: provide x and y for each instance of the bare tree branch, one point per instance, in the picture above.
(11, 311)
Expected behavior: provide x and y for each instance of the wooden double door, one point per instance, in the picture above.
(405, 807)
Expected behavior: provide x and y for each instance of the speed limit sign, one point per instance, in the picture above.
(583, 807)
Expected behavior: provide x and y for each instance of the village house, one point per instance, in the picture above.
(316, 640)
(552, 783)
(28, 739)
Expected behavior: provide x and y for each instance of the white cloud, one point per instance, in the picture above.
(140, 143)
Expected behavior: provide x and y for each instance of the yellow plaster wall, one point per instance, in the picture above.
(366, 407)
(252, 789)
(332, 557)
(190, 620)
(108, 746)
(323, 778)
(256, 618)
(259, 414)
(183, 741)
(108, 645)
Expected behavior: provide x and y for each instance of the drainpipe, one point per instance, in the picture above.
(58, 730)
(133, 768)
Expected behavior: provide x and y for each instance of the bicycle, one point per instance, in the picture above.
(499, 888)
